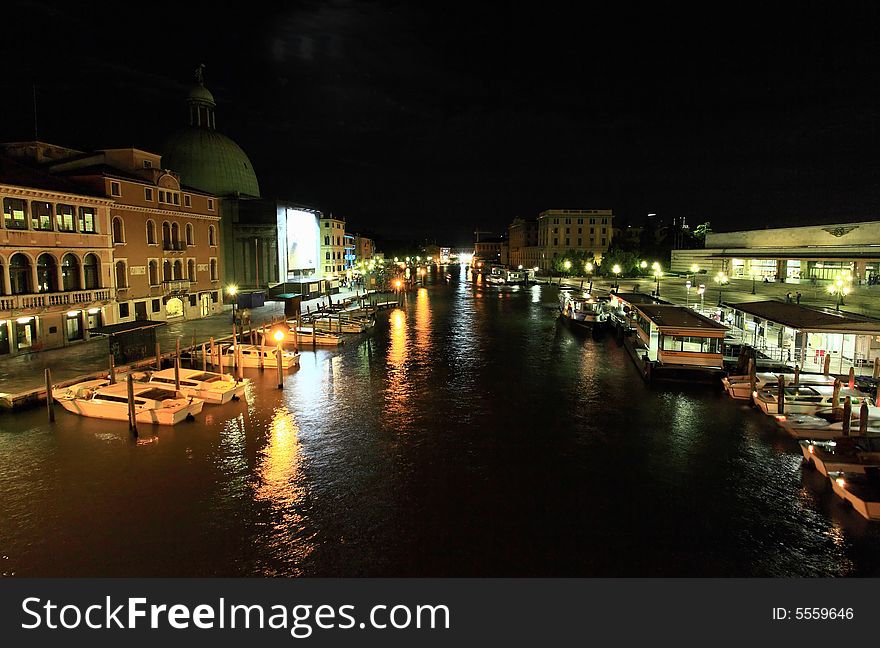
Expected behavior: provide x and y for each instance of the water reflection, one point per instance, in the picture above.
(423, 323)
(278, 467)
(397, 389)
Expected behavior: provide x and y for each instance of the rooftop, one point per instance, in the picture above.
(808, 318)
(639, 298)
(671, 316)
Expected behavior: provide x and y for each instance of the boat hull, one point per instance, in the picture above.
(119, 411)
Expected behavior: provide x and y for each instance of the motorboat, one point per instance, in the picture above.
(495, 280)
(826, 423)
(100, 399)
(210, 386)
(806, 399)
(842, 454)
(740, 387)
(582, 310)
(861, 490)
(311, 335)
(254, 355)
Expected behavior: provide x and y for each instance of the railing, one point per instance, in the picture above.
(176, 285)
(50, 300)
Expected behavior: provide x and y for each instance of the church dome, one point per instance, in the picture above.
(211, 162)
(204, 158)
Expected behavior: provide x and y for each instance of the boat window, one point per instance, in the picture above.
(163, 380)
(155, 394)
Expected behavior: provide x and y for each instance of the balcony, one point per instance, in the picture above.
(176, 286)
(54, 301)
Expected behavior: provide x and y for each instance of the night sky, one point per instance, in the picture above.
(427, 120)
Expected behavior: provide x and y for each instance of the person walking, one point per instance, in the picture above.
(788, 297)
(798, 297)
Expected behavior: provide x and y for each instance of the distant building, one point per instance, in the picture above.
(332, 237)
(523, 242)
(573, 230)
(488, 250)
(55, 260)
(349, 251)
(365, 248)
(815, 252)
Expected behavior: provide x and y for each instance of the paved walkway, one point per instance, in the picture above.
(27, 371)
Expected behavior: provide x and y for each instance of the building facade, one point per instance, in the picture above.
(488, 250)
(791, 254)
(332, 237)
(166, 237)
(573, 230)
(364, 248)
(55, 260)
(523, 243)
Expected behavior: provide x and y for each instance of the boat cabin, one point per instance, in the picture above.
(675, 335)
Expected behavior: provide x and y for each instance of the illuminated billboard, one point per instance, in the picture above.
(303, 245)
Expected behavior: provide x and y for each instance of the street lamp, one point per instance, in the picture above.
(658, 272)
(687, 297)
(567, 265)
(702, 292)
(720, 279)
(616, 270)
(841, 287)
(231, 291)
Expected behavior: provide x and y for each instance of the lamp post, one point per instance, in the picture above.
(687, 294)
(694, 270)
(720, 279)
(702, 292)
(658, 272)
(232, 291)
(841, 287)
(616, 270)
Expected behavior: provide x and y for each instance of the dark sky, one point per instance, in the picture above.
(430, 119)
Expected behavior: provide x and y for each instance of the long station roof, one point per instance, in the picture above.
(809, 318)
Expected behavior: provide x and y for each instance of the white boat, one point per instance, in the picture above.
(582, 311)
(739, 386)
(861, 490)
(807, 399)
(495, 279)
(99, 399)
(842, 453)
(826, 423)
(210, 386)
(251, 354)
(306, 335)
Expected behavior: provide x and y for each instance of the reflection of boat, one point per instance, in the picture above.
(582, 311)
(826, 423)
(739, 386)
(250, 356)
(152, 404)
(210, 386)
(861, 490)
(842, 453)
(805, 399)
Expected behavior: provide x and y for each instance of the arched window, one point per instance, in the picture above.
(151, 232)
(191, 270)
(178, 269)
(90, 272)
(190, 240)
(166, 234)
(20, 274)
(118, 231)
(166, 270)
(47, 273)
(211, 236)
(69, 272)
(121, 278)
(175, 234)
(154, 273)
(213, 269)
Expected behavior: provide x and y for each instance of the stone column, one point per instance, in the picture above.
(7, 282)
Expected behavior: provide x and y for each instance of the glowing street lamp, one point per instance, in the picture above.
(567, 265)
(588, 266)
(720, 279)
(701, 291)
(232, 291)
(841, 286)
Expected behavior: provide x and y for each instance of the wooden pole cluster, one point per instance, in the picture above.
(132, 414)
(213, 351)
(753, 379)
(863, 419)
(780, 397)
(177, 365)
(852, 377)
(835, 397)
(797, 375)
(158, 357)
(847, 415)
(827, 368)
(50, 399)
(112, 370)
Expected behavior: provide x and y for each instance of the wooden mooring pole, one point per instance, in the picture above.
(279, 359)
(204, 358)
(158, 357)
(112, 370)
(177, 365)
(50, 399)
(132, 415)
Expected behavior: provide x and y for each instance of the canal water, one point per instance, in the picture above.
(469, 434)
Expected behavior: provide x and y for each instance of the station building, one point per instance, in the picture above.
(792, 254)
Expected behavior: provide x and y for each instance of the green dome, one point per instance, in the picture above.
(211, 162)
(201, 93)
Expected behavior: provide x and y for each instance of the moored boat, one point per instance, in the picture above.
(582, 311)
(806, 399)
(101, 399)
(255, 356)
(826, 424)
(842, 453)
(210, 386)
(307, 335)
(740, 388)
(861, 490)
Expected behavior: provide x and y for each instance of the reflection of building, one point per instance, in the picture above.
(55, 259)
(573, 230)
(819, 252)
(332, 246)
(213, 163)
(166, 237)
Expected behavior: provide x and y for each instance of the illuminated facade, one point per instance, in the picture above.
(166, 237)
(792, 254)
(55, 260)
(573, 230)
(364, 248)
(299, 245)
(332, 254)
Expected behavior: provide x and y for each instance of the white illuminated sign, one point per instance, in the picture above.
(302, 240)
